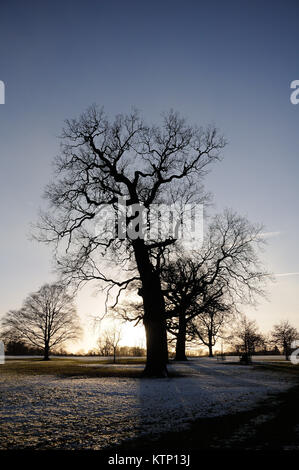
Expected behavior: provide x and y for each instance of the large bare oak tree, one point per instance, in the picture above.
(102, 161)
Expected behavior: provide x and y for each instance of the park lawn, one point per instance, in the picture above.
(82, 403)
(271, 426)
(73, 367)
(103, 367)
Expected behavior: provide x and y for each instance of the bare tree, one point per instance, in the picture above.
(47, 319)
(210, 283)
(104, 345)
(283, 334)
(209, 326)
(109, 340)
(103, 163)
(245, 337)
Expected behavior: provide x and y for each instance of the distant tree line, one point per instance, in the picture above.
(123, 351)
(19, 348)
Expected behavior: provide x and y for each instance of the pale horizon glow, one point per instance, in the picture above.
(132, 336)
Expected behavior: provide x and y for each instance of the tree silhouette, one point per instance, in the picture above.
(47, 319)
(209, 284)
(246, 337)
(283, 334)
(103, 163)
(109, 340)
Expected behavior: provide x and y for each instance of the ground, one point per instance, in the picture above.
(83, 404)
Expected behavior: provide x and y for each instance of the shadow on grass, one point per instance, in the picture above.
(273, 425)
(270, 426)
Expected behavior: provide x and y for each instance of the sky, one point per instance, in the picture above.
(227, 63)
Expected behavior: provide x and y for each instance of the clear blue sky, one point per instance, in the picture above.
(229, 63)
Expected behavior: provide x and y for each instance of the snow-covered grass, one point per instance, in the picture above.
(46, 411)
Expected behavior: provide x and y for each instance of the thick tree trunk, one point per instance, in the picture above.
(46, 352)
(180, 350)
(156, 358)
(154, 314)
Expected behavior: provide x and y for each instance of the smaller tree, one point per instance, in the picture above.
(47, 319)
(223, 275)
(209, 326)
(104, 345)
(246, 337)
(109, 341)
(283, 334)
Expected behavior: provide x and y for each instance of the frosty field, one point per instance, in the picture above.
(56, 412)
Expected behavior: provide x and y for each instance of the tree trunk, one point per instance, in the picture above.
(210, 346)
(46, 352)
(154, 314)
(180, 350)
(156, 359)
(287, 351)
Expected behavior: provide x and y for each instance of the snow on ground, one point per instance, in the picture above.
(94, 413)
